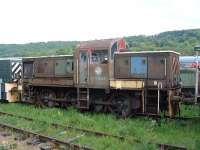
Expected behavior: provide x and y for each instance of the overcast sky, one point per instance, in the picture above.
(23, 21)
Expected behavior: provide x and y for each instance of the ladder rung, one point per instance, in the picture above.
(81, 107)
(152, 105)
(82, 99)
(152, 96)
(84, 91)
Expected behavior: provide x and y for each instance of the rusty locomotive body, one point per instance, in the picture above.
(48, 79)
(153, 76)
(103, 75)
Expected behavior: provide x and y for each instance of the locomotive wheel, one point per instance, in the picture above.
(70, 97)
(50, 104)
(97, 104)
(122, 105)
(48, 95)
(98, 108)
(38, 101)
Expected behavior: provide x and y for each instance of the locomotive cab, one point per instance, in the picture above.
(94, 60)
(94, 67)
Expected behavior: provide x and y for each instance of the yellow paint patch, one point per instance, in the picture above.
(11, 92)
(126, 84)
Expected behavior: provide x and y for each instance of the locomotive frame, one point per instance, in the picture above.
(92, 82)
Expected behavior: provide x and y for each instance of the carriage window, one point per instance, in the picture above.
(99, 57)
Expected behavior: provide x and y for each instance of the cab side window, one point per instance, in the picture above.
(99, 57)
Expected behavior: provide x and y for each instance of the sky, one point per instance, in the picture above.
(24, 21)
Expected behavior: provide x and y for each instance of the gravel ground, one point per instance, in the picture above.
(15, 141)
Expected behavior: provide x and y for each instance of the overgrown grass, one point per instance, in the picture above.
(2, 148)
(182, 133)
(62, 134)
(190, 110)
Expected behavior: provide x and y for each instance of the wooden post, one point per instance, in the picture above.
(170, 107)
(159, 87)
(143, 108)
(158, 108)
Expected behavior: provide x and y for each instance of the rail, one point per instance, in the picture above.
(74, 146)
(45, 138)
(169, 117)
(97, 133)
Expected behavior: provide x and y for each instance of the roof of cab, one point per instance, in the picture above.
(97, 44)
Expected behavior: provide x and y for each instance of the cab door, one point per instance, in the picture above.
(83, 67)
(99, 72)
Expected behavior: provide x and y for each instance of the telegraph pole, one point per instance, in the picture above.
(197, 49)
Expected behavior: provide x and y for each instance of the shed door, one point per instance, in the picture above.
(83, 67)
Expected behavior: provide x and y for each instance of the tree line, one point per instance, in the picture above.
(181, 41)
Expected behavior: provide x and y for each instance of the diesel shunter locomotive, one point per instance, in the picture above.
(103, 75)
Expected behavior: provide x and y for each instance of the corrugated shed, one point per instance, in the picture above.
(5, 70)
(9, 68)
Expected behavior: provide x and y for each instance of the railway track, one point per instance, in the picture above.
(155, 116)
(97, 133)
(74, 146)
(44, 138)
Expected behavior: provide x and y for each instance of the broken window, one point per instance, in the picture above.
(99, 57)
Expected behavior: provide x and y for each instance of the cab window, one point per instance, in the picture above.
(99, 57)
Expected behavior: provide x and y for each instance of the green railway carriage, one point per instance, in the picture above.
(188, 82)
